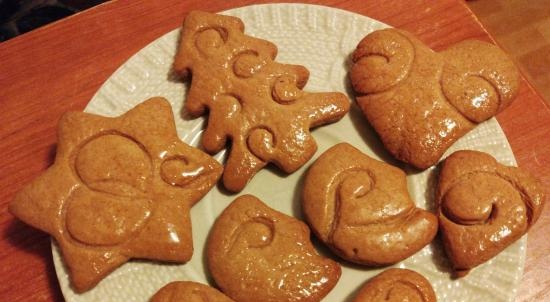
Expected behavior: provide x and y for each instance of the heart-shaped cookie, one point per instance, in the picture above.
(483, 207)
(396, 284)
(361, 209)
(419, 101)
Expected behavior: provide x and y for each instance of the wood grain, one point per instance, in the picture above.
(59, 67)
(522, 28)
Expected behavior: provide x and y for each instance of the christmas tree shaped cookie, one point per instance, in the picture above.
(255, 102)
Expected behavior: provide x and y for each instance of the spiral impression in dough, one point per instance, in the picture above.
(120, 188)
(361, 209)
(419, 101)
(258, 254)
(483, 207)
(396, 284)
(254, 103)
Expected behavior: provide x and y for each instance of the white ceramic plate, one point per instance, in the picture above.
(321, 39)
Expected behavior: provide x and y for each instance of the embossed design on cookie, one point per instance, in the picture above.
(361, 209)
(188, 291)
(397, 284)
(419, 101)
(120, 188)
(258, 254)
(251, 100)
(483, 207)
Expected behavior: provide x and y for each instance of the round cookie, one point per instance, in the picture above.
(396, 284)
(258, 254)
(188, 291)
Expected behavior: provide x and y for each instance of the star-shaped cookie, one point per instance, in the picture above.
(119, 188)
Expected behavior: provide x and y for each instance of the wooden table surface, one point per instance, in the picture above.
(59, 67)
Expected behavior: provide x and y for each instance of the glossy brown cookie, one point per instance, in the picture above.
(120, 188)
(419, 101)
(187, 291)
(258, 254)
(483, 207)
(252, 101)
(397, 285)
(361, 208)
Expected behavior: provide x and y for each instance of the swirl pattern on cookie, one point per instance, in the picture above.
(120, 188)
(187, 291)
(258, 254)
(397, 285)
(419, 101)
(361, 209)
(483, 207)
(253, 102)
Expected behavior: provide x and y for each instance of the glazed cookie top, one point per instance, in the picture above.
(419, 101)
(362, 210)
(397, 285)
(187, 291)
(120, 188)
(252, 101)
(258, 254)
(483, 207)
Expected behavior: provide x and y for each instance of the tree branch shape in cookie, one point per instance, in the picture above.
(396, 284)
(419, 101)
(252, 101)
(483, 207)
(361, 209)
(258, 254)
(119, 188)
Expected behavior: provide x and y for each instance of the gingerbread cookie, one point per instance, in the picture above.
(419, 101)
(361, 209)
(483, 207)
(258, 254)
(120, 188)
(253, 101)
(396, 284)
(187, 291)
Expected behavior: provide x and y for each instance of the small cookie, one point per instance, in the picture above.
(187, 291)
(397, 284)
(258, 254)
(483, 207)
(361, 209)
(419, 101)
(253, 101)
(120, 188)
